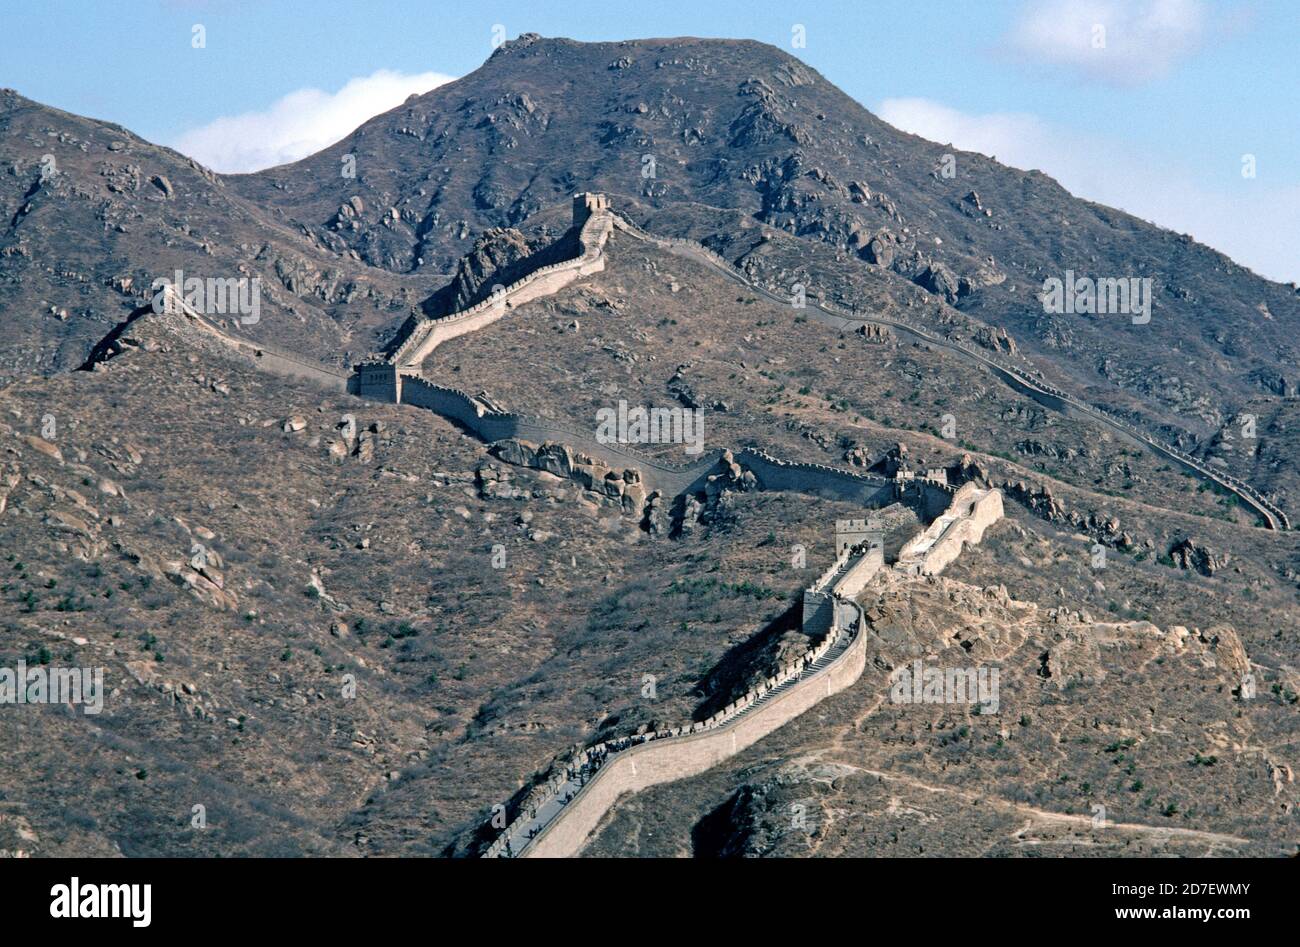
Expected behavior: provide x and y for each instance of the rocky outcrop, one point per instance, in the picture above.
(488, 263)
(348, 216)
(1105, 528)
(43, 446)
(1189, 554)
(940, 280)
(875, 333)
(881, 249)
(622, 486)
(1035, 448)
(972, 206)
(203, 580)
(1227, 649)
(712, 507)
(996, 339)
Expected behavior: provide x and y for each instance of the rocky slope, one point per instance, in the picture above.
(239, 550)
(742, 130)
(341, 627)
(1109, 739)
(694, 137)
(91, 215)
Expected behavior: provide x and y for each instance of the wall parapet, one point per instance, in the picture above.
(426, 334)
(595, 231)
(264, 355)
(573, 802)
(963, 523)
(557, 821)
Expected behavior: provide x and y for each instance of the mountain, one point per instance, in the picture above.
(745, 128)
(735, 131)
(91, 215)
(348, 627)
(741, 130)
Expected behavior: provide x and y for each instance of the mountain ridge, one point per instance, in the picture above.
(736, 131)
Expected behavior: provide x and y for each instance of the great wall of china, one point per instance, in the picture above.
(561, 813)
(397, 379)
(557, 824)
(1019, 378)
(558, 818)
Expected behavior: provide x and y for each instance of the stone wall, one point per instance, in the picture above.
(850, 532)
(265, 356)
(818, 608)
(427, 335)
(862, 571)
(379, 381)
(1021, 377)
(818, 612)
(455, 404)
(541, 282)
(972, 510)
(586, 204)
(966, 531)
(774, 474)
(828, 604)
(667, 478)
(287, 366)
(650, 764)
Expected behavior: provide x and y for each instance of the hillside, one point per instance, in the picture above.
(230, 678)
(740, 130)
(347, 627)
(81, 244)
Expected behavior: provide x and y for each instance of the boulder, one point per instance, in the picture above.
(1189, 554)
(1229, 653)
(43, 446)
(879, 251)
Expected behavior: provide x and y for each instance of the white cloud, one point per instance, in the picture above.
(1120, 41)
(1256, 224)
(299, 124)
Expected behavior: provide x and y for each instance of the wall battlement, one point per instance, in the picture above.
(852, 532)
(591, 217)
(972, 511)
(573, 803)
(570, 805)
(587, 205)
(598, 221)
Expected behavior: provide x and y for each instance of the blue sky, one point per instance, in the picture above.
(1156, 119)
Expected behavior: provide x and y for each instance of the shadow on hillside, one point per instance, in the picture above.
(745, 664)
(721, 833)
(107, 347)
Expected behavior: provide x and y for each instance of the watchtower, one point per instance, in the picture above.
(587, 203)
(850, 533)
(379, 380)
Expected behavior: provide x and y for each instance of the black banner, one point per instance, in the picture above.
(332, 897)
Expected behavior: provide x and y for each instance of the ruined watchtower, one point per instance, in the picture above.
(586, 204)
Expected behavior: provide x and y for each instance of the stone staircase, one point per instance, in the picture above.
(837, 648)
